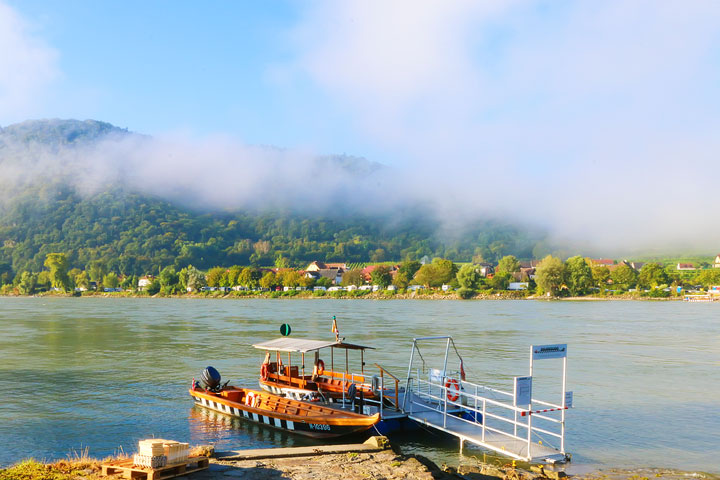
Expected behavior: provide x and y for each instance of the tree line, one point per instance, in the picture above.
(576, 276)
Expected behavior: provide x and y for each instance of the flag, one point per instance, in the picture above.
(462, 371)
(335, 329)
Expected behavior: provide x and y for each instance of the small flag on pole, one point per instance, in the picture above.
(462, 371)
(335, 329)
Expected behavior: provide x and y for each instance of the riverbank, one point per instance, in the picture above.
(375, 459)
(355, 295)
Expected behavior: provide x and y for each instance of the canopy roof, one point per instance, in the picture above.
(301, 345)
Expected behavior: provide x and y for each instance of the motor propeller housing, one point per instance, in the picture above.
(211, 378)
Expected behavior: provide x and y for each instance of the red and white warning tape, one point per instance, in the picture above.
(543, 411)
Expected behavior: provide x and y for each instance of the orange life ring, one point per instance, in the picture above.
(250, 399)
(452, 383)
(320, 367)
(264, 371)
(256, 401)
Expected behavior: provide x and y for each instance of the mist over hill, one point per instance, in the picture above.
(98, 192)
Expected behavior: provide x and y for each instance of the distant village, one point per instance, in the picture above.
(408, 276)
(550, 277)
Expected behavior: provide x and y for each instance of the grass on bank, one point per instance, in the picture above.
(78, 466)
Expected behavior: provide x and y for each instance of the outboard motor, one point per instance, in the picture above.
(211, 378)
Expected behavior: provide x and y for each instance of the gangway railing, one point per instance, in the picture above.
(506, 422)
(489, 411)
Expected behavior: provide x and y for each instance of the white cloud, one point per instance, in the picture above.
(600, 118)
(27, 66)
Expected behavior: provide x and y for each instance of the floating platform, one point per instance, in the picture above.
(126, 469)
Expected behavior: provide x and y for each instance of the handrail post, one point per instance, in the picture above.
(484, 422)
(407, 383)
(444, 390)
(397, 395)
(529, 436)
(382, 388)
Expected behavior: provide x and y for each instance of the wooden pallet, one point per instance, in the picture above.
(127, 470)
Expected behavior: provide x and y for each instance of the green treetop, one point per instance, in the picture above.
(58, 265)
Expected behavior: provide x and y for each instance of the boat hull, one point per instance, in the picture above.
(317, 426)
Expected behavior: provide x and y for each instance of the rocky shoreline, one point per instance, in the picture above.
(375, 459)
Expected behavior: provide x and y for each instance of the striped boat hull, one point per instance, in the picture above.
(317, 426)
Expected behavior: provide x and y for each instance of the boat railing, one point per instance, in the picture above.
(380, 390)
(489, 409)
(354, 377)
(395, 397)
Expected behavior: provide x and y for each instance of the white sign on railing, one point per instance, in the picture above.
(523, 391)
(541, 352)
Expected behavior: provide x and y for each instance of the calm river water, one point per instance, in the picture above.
(104, 373)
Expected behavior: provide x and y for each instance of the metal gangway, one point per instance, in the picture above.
(509, 423)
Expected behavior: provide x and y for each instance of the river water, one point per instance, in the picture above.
(103, 373)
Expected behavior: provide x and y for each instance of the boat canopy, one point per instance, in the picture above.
(301, 345)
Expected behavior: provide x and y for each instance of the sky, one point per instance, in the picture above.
(597, 120)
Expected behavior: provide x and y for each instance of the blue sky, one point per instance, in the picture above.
(165, 65)
(600, 105)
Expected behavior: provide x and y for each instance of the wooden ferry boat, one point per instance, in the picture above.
(304, 418)
(321, 381)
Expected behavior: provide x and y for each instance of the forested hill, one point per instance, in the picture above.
(133, 232)
(57, 133)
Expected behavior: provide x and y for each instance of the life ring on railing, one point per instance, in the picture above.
(256, 401)
(250, 399)
(264, 371)
(450, 384)
(320, 367)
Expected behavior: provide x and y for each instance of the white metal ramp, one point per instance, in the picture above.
(487, 417)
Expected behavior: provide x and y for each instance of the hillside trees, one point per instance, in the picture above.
(600, 276)
(624, 276)
(437, 273)
(268, 280)
(58, 265)
(111, 280)
(468, 277)
(381, 276)
(352, 277)
(508, 264)
(27, 284)
(708, 277)
(652, 275)
(578, 276)
(549, 275)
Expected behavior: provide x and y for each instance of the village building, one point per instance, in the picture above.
(145, 282)
(333, 274)
(486, 269)
(635, 265)
(685, 266)
(717, 261)
(317, 266)
(367, 271)
(529, 264)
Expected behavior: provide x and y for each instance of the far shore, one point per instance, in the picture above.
(383, 295)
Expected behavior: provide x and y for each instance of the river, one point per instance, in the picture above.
(102, 373)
